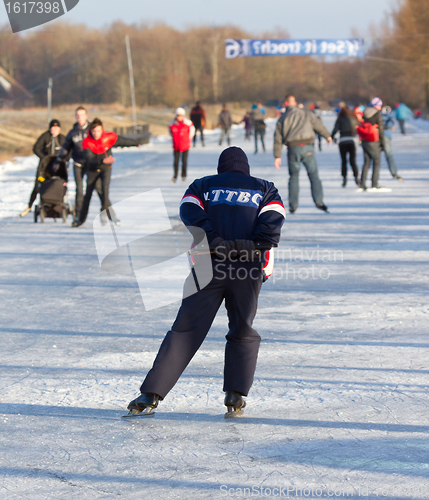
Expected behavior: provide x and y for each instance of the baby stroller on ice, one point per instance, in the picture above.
(52, 190)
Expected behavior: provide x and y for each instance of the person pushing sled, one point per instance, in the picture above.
(239, 214)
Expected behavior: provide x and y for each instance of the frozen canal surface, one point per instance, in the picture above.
(340, 403)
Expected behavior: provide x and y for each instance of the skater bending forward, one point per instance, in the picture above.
(239, 214)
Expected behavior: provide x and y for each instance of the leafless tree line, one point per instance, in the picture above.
(176, 67)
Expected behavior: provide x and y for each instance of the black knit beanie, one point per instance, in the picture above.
(233, 159)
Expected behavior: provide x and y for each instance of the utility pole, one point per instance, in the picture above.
(215, 68)
(130, 69)
(50, 85)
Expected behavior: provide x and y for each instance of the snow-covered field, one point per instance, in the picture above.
(340, 404)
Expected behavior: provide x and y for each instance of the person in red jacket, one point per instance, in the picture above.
(99, 160)
(182, 131)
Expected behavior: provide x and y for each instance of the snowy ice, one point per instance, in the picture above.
(339, 407)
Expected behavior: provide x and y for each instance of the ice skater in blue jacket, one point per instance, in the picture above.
(389, 126)
(403, 112)
(238, 213)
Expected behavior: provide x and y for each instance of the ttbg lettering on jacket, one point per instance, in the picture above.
(234, 196)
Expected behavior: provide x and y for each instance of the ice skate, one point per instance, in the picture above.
(379, 189)
(103, 218)
(143, 406)
(322, 206)
(235, 403)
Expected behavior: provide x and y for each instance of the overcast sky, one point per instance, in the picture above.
(302, 18)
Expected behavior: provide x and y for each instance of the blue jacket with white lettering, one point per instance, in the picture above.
(234, 206)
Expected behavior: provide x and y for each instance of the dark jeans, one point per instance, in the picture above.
(194, 320)
(402, 126)
(260, 134)
(184, 163)
(306, 155)
(371, 152)
(225, 132)
(201, 129)
(348, 148)
(389, 156)
(103, 176)
(79, 173)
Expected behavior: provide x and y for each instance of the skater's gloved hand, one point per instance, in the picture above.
(245, 249)
(224, 248)
(109, 160)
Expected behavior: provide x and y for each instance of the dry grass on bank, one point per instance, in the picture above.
(19, 129)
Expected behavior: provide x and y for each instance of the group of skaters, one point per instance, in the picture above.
(372, 125)
(90, 147)
(184, 131)
(254, 122)
(299, 129)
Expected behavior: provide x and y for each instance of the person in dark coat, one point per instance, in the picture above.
(237, 213)
(247, 126)
(49, 143)
(73, 145)
(225, 123)
(198, 118)
(346, 124)
(258, 120)
(99, 160)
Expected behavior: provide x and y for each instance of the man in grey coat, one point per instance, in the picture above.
(225, 123)
(296, 129)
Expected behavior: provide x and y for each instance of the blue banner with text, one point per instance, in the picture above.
(351, 47)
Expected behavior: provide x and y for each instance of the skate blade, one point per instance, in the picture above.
(234, 413)
(379, 190)
(140, 413)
